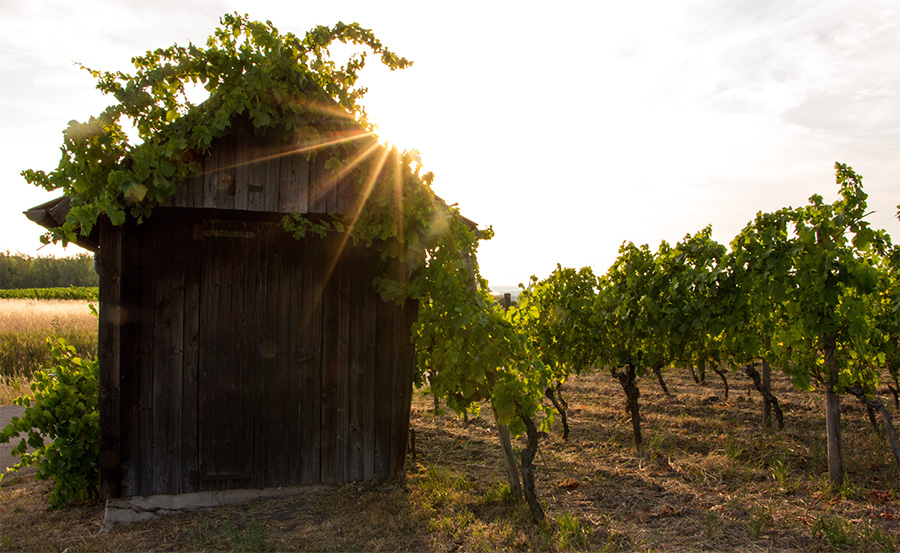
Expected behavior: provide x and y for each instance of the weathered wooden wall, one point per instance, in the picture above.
(247, 172)
(235, 356)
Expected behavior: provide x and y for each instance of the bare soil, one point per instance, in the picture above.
(710, 478)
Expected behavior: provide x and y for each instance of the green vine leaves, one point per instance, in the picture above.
(830, 289)
(555, 315)
(469, 348)
(792, 279)
(64, 412)
(760, 263)
(688, 279)
(282, 82)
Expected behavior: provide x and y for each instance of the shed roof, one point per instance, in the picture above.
(52, 214)
(247, 172)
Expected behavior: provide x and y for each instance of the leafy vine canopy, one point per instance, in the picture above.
(139, 151)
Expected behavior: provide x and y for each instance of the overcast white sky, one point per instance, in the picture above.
(568, 126)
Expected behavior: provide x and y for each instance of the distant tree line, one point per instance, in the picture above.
(25, 271)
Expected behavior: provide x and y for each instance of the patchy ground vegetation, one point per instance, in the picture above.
(710, 478)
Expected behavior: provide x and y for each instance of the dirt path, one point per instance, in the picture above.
(6, 459)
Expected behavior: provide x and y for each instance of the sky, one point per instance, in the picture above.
(569, 127)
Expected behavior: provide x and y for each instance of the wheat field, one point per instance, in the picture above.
(25, 326)
(27, 315)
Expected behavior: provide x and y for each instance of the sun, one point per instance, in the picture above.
(397, 129)
(398, 118)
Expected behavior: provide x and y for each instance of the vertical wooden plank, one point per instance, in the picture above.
(183, 196)
(215, 312)
(309, 336)
(402, 397)
(370, 374)
(160, 241)
(130, 312)
(257, 186)
(344, 362)
(244, 146)
(289, 295)
(283, 453)
(270, 178)
(168, 333)
(340, 193)
(243, 373)
(235, 410)
(153, 242)
(171, 386)
(332, 459)
(225, 183)
(195, 186)
(209, 295)
(357, 396)
(314, 195)
(288, 357)
(345, 194)
(384, 337)
(109, 353)
(294, 184)
(264, 390)
(318, 184)
(211, 176)
(144, 417)
(232, 398)
(176, 199)
(274, 359)
(228, 389)
(287, 183)
(181, 235)
(398, 430)
(330, 180)
(190, 407)
(305, 174)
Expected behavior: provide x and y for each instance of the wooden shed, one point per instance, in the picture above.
(233, 355)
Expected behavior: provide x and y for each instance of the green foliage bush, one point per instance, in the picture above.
(62, 425)
(25, 271)
(90, 293)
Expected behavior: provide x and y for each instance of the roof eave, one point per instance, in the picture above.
(52, 215)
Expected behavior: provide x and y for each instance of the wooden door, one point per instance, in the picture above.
(232, 304)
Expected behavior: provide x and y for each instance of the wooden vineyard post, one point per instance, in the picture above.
(767, 388)
(833, 417)
(509, 459)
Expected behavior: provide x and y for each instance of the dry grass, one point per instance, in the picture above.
(25, 325)
(710, 479)
(25, 315)
(12, 387)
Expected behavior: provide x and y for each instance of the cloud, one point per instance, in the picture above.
(824, 111)
(791, 57)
